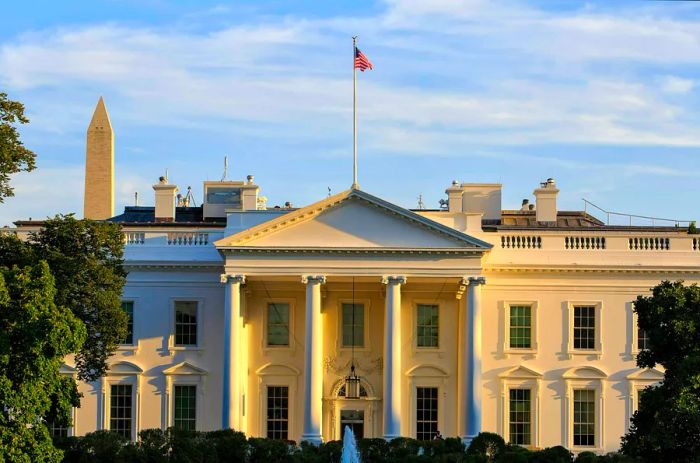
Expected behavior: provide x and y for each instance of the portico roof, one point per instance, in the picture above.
(352, 221)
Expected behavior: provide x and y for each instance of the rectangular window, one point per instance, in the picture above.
(186, 323)
(120, 409)
(584, 327)
(278, 412)
(426, 413)
(128, 308)
(277, 324)
(353, 325)
(520, 417)
(584, 417)
(185, 409)
(520, 327)
(642, 339)
(56, 430)
(427, 326)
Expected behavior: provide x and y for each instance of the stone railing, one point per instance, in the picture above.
(175, 239)
(188, 239)
(521, 242)
(131, 238)
(696, 244)
(649, 243)
(584, 242)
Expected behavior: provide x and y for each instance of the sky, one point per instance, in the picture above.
(601, 96)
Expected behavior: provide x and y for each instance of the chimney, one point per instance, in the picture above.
(484, 198)
(165, 200)
(526, 205)
(454, 197)
(546, 201)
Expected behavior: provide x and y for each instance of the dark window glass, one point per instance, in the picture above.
(520, 417)
(426, 413)
(120, 409)
(185, 323)
(520, 327)
(57, 430)
(584, 417)
(584, 327)
(642, 339)
(428, 326)
(353, 325)
(185, 407)
(128, 308)
(278, 412)
(277, 324)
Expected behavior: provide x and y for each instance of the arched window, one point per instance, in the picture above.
(341, 391)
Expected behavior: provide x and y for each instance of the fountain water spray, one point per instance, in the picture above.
(350, 453)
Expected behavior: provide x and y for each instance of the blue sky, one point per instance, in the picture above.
(601, 96)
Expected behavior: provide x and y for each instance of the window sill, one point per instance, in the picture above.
(596, 353)
(174, 349)
(532, 352)
(128, 347)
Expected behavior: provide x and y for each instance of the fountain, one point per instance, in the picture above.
(350, 453)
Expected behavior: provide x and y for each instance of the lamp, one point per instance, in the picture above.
(352, 381)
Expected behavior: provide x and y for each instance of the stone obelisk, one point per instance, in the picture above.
(99, 166)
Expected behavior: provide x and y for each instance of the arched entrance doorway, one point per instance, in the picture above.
(358, 414)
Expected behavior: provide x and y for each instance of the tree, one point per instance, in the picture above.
(667, 424)
(36, 335)
(14, 156)
(85, 259)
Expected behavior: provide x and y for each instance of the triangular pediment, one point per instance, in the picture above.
(352, 220)
(520, 371)
(184, 368)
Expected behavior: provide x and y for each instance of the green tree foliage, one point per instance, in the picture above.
(667, 425)
(85, 259)
(36, 335)
(14, 157)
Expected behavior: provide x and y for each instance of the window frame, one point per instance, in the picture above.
(635, 332)
(66, 370)
(184, 374)
(585, 377)
(134, 346)
(521, 377)
(289, 409)
(437, 411)
(266, 302)
(366, 322)
(506, 348)
(428, 375)
(638, 381)
(275, 374)
(414, 325)
(122, 373)
(200, 322)
(597, 350)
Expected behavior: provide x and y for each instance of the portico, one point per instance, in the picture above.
(302, 273)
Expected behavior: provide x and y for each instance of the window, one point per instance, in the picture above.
(353, 325)
(584, 327)
(427, 326)
(277, 324)
(584, 417)
(185, 323)
(520, 419)
(120, 409)
(426, 412)
(128, 308)
(642, 339)
(185, 416)
(277, 412)
(520, 327)
(57, 430)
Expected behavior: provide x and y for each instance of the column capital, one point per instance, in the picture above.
(393, 279)
(473, 281)
(228, 278)
(306, 279)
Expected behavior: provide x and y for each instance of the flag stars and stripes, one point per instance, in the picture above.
(361, 61)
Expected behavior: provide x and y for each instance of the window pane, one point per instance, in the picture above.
(642, 339)
(120, 411)
(277, 324)
(520, 417)
(584, 327)
(186, 323)
(185, 407)
(426, 413)
(520, 327)
(353, 325)
(128, 308)
(427, 326)
(277, 412)
(584, 417)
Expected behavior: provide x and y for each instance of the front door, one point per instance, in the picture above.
(355, 419)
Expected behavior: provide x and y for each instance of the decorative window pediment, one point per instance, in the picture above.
(185, 368)
(124, 368)
(272, 369)
(427, 371)
(584, 373)
(520, 372)
(646, 374)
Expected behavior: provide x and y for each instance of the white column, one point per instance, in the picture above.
(313, 361)
(231, 404)
(392, 357)
(470, 361)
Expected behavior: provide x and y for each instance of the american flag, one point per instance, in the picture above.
(361, 61)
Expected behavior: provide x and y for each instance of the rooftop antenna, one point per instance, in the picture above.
(136, 198)
(421, 205)
(329, 192)
(166, 175)
(223, 178)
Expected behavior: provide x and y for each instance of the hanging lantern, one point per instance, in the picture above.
(352, 384)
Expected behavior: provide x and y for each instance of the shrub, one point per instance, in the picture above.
(154, 446)
(586, 457)
(692, 228)
(556, 454)
(515, 454)
(373, 449)
(102, 446)
(487, 446)
(229, 445)
(268, 450)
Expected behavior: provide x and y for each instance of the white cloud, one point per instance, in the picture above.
(675, 84)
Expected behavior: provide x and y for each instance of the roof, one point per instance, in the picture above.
(142, 215)
(565, 219)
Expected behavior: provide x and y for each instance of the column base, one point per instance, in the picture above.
(467, 440)
(390, 437)
(314, 439)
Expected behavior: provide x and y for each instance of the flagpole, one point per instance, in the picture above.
(354, 116)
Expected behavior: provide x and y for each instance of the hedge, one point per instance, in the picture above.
(173, 446)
